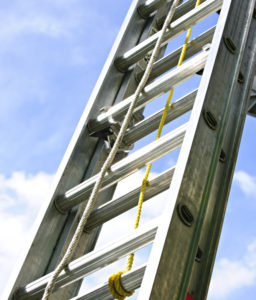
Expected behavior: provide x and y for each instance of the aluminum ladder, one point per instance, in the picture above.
(185, 240)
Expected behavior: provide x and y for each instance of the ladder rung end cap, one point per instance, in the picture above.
(57, 205)
(120, 65)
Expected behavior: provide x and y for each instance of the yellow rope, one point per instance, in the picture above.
(114, 284)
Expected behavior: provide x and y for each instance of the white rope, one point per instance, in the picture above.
(79, 230)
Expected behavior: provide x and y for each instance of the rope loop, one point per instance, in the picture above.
(116, 288)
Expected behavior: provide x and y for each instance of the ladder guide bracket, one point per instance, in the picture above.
(110, 132)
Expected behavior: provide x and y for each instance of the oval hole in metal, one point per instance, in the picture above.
(185, 214)
(240, 77)
(230, 44)
(199, 255)
(210, 119)
(222, 157)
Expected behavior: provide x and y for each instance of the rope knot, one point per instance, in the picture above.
(116, 288)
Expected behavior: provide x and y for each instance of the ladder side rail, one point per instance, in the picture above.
(177, 239)
(50, 222)
(211, 230)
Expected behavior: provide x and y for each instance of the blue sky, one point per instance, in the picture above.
(51, 55)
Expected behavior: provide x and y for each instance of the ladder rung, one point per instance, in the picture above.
(169, 61)
(182, 24)
(130, 281)
(151, 91)
(120, 205)
(150, 6)
(93, 261)
(151, 123)
(181, 10)
(124, 168)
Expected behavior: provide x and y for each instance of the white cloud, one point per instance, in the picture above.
(37, 18)
(55, 19)
(246, 182)
(21, 196)
(229, 276)
(45, 25)
(28, 190)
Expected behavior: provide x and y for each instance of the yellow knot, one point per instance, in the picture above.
(115, 287)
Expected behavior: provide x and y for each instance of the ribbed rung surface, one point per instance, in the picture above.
(150, 124)
(120, 205)
(170, 61)
(93, 261)
(151, 91)
(125, 167)
(177, 27)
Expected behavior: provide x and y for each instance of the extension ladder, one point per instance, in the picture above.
(185, 239)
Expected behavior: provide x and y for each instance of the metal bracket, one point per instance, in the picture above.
(110, 132)
(114, 127)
